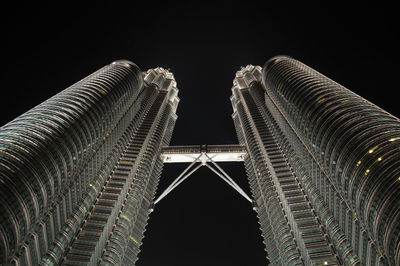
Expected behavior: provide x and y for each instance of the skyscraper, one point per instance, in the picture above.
(79, 171)
(323, 166)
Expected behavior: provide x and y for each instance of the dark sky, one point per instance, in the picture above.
(203, 222)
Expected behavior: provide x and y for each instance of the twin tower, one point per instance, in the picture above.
(79, 172)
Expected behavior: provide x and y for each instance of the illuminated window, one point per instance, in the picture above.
(373, 149)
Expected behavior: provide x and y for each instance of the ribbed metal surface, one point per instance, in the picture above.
(352, 144)
(50, 155)
(124, 242)
(279, 240)
(323, 163)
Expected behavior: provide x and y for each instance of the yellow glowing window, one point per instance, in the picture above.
(125, 217)
(373, 149)
(134, 239)
(95, 189)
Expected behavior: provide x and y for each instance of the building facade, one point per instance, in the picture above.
(323, 166)
(79, 172)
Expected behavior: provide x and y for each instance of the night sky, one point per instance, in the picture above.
(203, 222)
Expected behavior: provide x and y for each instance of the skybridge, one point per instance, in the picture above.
(203, 155)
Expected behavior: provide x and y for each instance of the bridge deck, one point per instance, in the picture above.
(189, 153)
